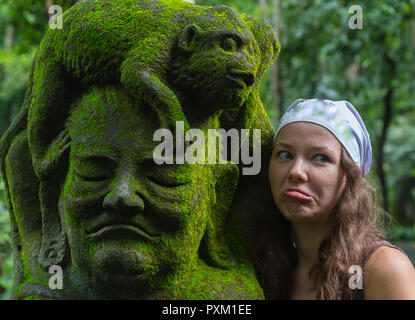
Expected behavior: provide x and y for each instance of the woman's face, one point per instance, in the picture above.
(305, 172)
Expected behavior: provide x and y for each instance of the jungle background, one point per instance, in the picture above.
(373, 67)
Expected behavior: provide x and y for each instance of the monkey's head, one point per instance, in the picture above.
(216, 69)
(218, 62)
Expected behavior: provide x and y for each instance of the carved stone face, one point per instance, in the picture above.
(129, 222)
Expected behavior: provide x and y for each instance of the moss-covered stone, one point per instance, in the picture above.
(77, 159)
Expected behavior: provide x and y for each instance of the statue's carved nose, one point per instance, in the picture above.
(245, 76)
(124, 198)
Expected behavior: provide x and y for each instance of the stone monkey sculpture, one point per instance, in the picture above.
(137, 43)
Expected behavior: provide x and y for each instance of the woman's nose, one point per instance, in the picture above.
(125, 197)
(298, 171)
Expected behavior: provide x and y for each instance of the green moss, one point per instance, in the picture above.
(100, 44)
(36, 297)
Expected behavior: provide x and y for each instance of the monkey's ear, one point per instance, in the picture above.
(268, 44)
(190, 33)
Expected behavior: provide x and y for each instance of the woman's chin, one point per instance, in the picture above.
(301, 214)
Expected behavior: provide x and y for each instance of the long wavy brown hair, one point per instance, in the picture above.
(356, 223)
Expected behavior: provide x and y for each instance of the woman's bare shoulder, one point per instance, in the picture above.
(389, 274)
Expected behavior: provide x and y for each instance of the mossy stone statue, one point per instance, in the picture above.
(83, 190)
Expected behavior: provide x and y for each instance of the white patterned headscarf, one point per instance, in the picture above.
(341, 119)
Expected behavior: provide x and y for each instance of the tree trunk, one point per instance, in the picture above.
(387, 119)
(8, 114)
(278, 89)
(8, 38)
(387, 115)
(263, 4)
(8, 43)
(48, 4)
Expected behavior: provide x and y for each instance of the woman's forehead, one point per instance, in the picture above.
(307, 134)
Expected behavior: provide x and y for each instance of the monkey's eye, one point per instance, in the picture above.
(229, 44)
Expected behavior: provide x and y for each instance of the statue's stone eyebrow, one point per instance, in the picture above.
(148, 160)
(95, 156)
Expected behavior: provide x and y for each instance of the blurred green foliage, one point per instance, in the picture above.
(321, 57)
(400, 233)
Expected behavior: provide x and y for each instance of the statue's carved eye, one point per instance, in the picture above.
(92, 176)
(92, 168)
(164, 182)
(229, 44)
(170, 176)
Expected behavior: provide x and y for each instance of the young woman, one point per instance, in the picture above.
(326, 240)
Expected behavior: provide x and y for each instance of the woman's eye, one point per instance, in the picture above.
(229, 44)
(322, 158)
(284, 155)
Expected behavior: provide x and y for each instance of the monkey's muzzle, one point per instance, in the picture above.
(243, 78)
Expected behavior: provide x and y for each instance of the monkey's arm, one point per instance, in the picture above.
(138, 77)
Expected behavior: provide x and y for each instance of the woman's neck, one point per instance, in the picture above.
(307, 239)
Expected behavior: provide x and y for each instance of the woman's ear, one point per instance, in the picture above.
(343, 182)
(213, 249)
(343, 171)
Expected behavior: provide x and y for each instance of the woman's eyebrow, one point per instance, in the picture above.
(322, 149)
(312, 148)
(283, 144)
